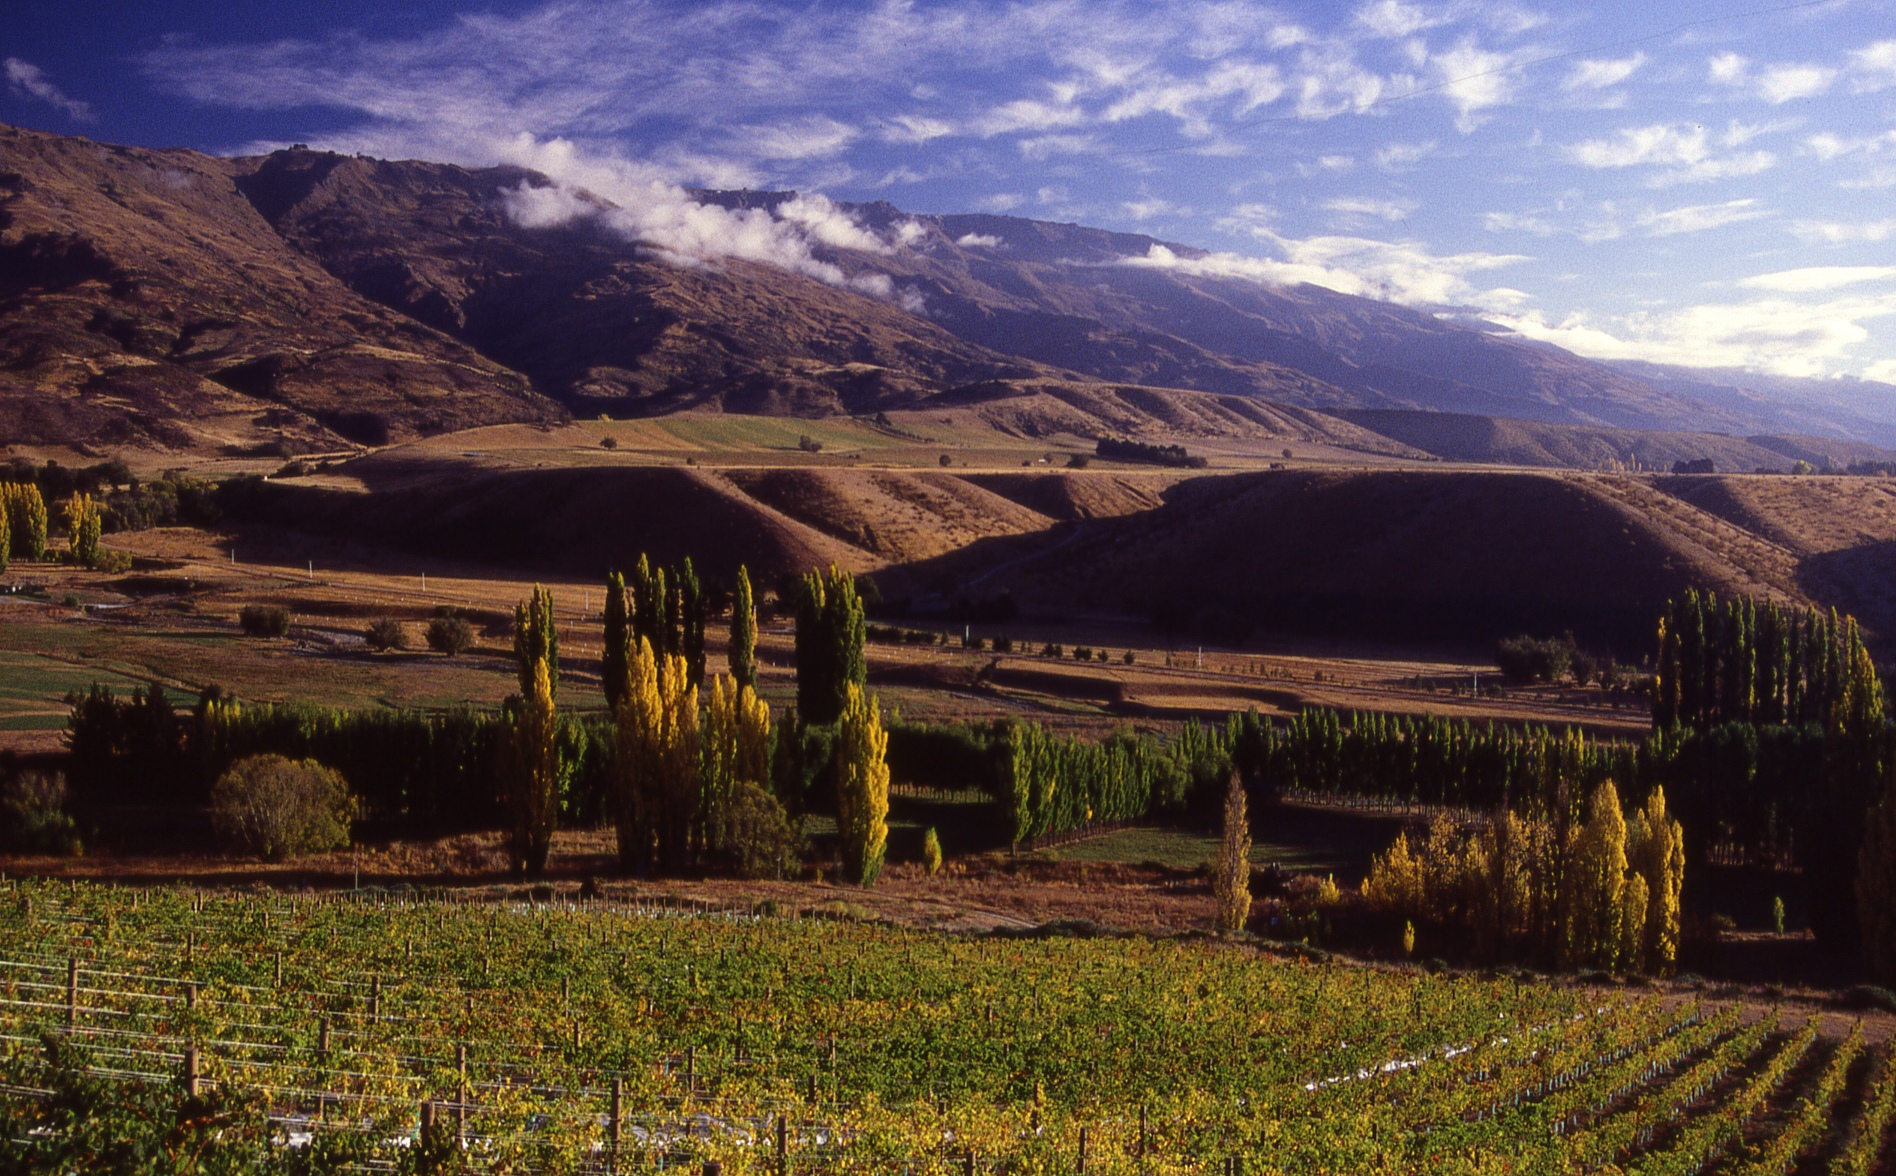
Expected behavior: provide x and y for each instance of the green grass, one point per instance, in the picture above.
(1296, 839)
(30, 683)
(768, 433)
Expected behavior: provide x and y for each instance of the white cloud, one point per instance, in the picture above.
(1842, 232)
(1475, 79)
(1686, 152)
(1146, 209)
(1402, 156)
(29, 81)
(1874, 65)
(1598, 75)
(1360, 209)
(977, 241)
(814, 137)
(1770, 334)
(1027, 114)
(915, 129)
(1697, 218)
(1827, 146)
(664, 217)
(1394, 19)
(1729, 69)
(1784, 83)
(1811, 279)
(1403, 272)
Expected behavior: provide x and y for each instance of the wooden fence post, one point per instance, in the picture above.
(279, 969)
(618, 1113)
(1081, 1170)
(72, 991)
(1142, 1131)
(783, 1145)
(460, 1107)
(193, 1079)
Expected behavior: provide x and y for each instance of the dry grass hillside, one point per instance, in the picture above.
(1840, 533)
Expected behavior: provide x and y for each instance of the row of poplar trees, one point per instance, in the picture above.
(22, 522)
(1603, 892)
(698, 774)
(1743, 660)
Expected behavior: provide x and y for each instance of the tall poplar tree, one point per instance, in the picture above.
(742, 653)
(862, 786)
(830, 632)
(1232, 882)
(615, 658)
(536, 640)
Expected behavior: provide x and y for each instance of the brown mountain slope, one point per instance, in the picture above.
(594, 319)
(1464, 437)
(142, 298)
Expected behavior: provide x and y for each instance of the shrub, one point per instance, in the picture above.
(1526, 659)
(1079, 461)
(946, 461)
(275, 807)
(609, 443)
(264, 620)
(809, 444)
(931, 851)
(1082, 653)
(1126, 657)
(764, 842)
(33, 816)
(1052, 650)
(1003, 645)
(449, 635)
(385, 633)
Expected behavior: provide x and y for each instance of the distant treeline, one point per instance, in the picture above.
(1140, 451)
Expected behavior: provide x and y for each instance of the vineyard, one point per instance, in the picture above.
(379, 1032)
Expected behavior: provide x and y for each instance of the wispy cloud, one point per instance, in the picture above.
(1400, 272)
(1810, 279)
(1598, 75)
(1697, 218)
(1844, 232)
(29, 81)
(1683, 152)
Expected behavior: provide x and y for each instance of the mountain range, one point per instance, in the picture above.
(306, 299)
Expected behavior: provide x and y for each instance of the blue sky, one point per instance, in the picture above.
(1707, 182)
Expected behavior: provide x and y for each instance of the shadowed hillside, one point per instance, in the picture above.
(143, 300)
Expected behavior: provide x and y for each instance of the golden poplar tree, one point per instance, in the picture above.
(637, 759)
(1231, 882)
(679, 743)
(84, 524)
(1655, 849)
(862, 786)
(1590, 891)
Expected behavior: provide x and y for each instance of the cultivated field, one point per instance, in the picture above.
(631, 1034)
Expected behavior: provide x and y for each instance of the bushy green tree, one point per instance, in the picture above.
(275, 807)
